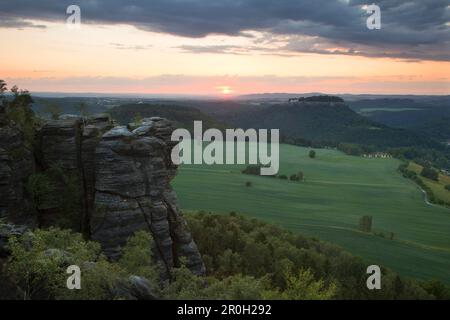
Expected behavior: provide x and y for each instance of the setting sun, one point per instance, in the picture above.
(226, 90)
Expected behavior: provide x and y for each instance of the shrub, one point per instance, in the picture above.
(38, 261)
(297, 177)
(303, 286)
(252, 170)
(430, 173)
(312, 154)
(137, 257)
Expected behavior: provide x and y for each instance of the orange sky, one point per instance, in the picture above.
(123, 59)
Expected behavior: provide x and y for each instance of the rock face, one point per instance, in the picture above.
(132, 192)
(59, 158)
(16, 165)
(109, 181)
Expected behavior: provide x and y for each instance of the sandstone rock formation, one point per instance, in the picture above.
(132, 192)
(104, 181)
(16, 165)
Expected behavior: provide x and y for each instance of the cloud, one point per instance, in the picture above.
(410, 29)
(136, 47)
(17, 23)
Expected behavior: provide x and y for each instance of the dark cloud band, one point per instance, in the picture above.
(410, 29)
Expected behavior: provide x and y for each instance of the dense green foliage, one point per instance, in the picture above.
(38, 262)
(431, 197)
(329, 124)
(232, 244)
(18, 110)
(428, 116)
(245, 259)
(354, 149)
(430, 173)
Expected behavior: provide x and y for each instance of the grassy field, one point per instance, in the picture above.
(338, 190)
(437, 187)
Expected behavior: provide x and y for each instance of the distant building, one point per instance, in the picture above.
(379, 155)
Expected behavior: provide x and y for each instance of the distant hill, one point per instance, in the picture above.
(327, 122)
(427, 115)
(275, 96)
(182, 116)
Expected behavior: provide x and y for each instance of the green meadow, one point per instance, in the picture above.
(338, 190)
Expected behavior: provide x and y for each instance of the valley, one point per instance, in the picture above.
(337, 191)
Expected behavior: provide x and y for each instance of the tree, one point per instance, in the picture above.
(303, 286)
(248, 184)
(430, 173)
(365, 223)
(312, 154)
(3, 87)
(19, 110)
(447, 187)
(437, 289)
(137, 119)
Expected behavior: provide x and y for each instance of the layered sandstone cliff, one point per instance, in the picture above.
(99, 179)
